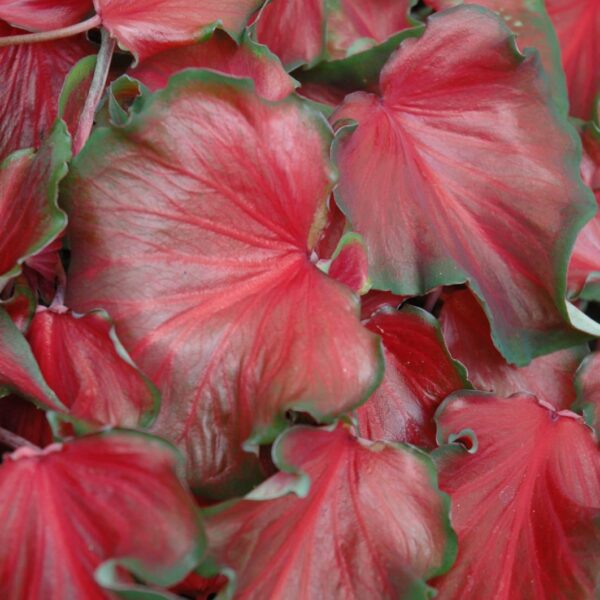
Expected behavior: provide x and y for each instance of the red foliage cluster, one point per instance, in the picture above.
(298, 299)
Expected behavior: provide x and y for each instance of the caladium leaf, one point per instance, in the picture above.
(146, 28)
(431, 222)
(354, 25)
(577, 24)
(525, 504)
(29, 212)
(220, 53)
(532, 26)
(19, 371)
(378, 503)
(107, 497)
(333, 231)
(588, 391)
(419, 374)
(84, 363)
(21, 305)
(212, 285)
(584, 268)
(349, 264)
(44, 271)
(44, 15)
(32, 76)
(467, 333)
(294, 30)
(376, 300)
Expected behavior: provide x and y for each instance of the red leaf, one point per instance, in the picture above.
(44, 15)
(294, 30)
(467, 333)
(146, 28)
(73, 361)
(524, 503)
(349, 264)
(85, 365)
(69, 508)
(584, 268)
(577, 24)
(492, 200)
(375, 300)
(364, 22)
(29, 211)
(333, 231)
(44, 271)
(372, 524)
(220, 53)
(21, 305)
(530, 23)
(193, 225)
(588, 391)
(19, 371)
(419, 374)
(32, 76)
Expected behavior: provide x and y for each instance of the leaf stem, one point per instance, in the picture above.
(86, 120)
(12, 440)
(56, 34)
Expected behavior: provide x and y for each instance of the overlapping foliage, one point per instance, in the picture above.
(298, 299)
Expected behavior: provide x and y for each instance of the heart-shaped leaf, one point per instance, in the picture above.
(194, 225)
(467, 333)
(525, 504)
(370, 522)
(220, 53)
(67, 509)
(464, 171)
(419, 374)
(32, 76)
